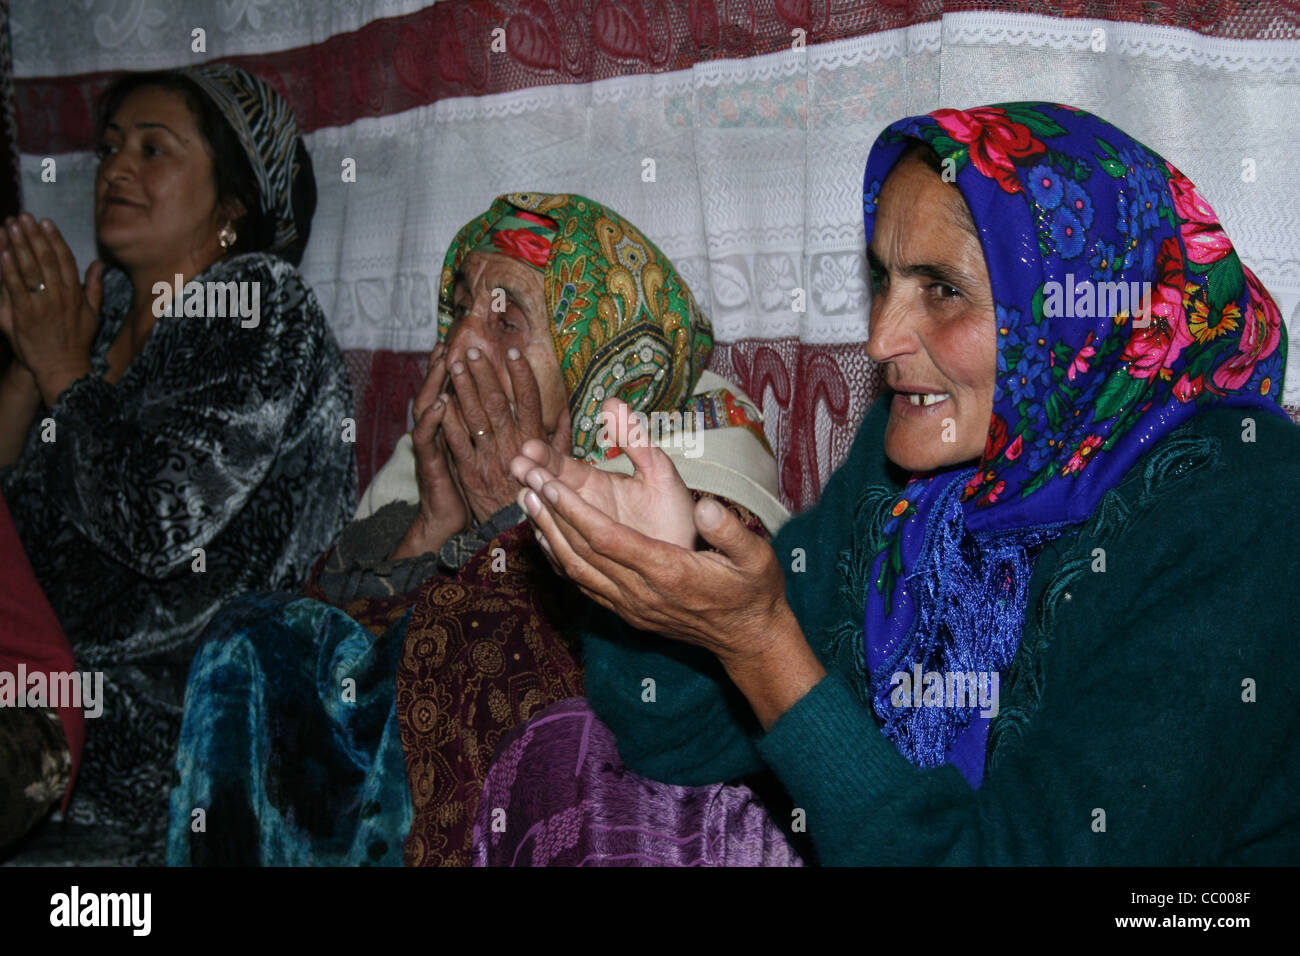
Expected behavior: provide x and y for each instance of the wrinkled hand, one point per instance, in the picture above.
(628, 543)
(653, 500)
(442, 510)
(484, 433)
(48, 315)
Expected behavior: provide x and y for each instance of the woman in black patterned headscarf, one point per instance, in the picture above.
(166, 453)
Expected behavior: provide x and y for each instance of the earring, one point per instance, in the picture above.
(226, 236)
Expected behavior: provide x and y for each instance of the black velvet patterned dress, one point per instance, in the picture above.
(218, 464)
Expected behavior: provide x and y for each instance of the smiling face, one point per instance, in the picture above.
(933, 324)
(155, 195)
(523, 325)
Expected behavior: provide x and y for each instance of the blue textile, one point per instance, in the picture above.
(290, 744)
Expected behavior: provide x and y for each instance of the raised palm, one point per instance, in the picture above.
(653, 501)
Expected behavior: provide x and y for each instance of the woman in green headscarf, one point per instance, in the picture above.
(298, 742)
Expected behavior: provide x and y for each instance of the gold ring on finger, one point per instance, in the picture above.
(39, 287)
(480, 433)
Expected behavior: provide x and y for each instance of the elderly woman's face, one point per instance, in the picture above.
(514, 317)
(155, 195)
(933, 325)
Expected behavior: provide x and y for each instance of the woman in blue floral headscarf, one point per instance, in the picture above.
(1041, 642)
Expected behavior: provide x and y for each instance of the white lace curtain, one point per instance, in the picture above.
(747, 172)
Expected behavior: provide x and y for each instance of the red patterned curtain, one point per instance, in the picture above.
(758, 115)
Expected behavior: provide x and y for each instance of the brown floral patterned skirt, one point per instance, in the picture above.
(485, 650)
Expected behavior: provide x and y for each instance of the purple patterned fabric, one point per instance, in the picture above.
(558, 795)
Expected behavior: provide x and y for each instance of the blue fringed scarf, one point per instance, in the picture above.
(958, 608)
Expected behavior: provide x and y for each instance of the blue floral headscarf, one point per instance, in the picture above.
(1066, 206)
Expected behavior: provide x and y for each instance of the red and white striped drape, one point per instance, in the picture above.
(754, 116)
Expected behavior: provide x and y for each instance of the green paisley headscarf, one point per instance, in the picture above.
(623, 321)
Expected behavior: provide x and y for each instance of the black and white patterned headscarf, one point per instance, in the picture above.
(269, 133)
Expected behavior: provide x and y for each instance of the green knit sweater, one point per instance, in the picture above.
(1150, 716)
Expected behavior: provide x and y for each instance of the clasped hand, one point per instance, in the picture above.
(49, 317)
(465, 439)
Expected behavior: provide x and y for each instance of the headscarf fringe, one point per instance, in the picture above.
(958, 629)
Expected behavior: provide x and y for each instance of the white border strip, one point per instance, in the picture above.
(992, 28)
